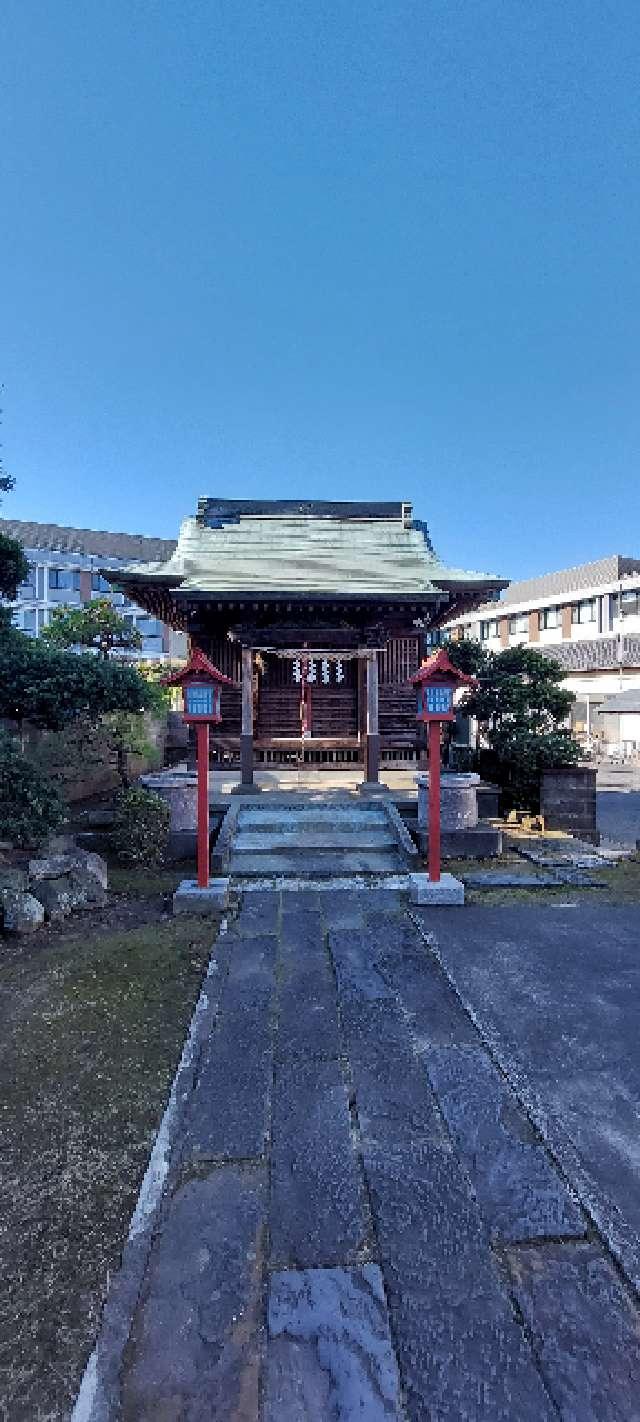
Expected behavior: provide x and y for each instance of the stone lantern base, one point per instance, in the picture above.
(189, 898)
(445, 890)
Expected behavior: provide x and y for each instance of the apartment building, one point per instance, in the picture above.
(588, 618)
(66, 568)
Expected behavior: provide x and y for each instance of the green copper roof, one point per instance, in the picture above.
(309, 553)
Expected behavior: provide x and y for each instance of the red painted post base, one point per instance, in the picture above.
(202, 731)
(434, 801)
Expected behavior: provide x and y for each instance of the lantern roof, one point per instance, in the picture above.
(439, 669)
(199, 668)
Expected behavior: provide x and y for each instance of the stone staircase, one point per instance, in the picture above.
(318, 840)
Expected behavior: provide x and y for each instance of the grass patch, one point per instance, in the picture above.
(151, 883)
(92, 1033)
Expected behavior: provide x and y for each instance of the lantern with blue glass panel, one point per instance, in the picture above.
(435, 683)
(201, 685)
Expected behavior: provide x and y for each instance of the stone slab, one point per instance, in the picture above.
(329, 1351)
(431, 1007)
(321, 863)
(357, 971)
(520, 1193)
(308, 1007)
(190, 899)
(197, 1337)
(460, 1350)
(228, 1116)
(302, 927)
(585, 1330)
(268, 817)
(259, 912)
(317, 1214)
(300, 841)
(394, 1101)
(446, 890)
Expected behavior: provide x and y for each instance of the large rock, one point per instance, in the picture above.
(92, 863)
(56, 897)
(78, 890)
(50, 866)
(53, 866)
(21, 913)
(11, 878)
(86, 890)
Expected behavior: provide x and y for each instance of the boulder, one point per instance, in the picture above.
(21, 913)
(50, 867)
(94, 864)
(85, 889)
(11, 878)
(56, 897)
(82, 860)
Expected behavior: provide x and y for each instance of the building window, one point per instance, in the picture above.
(549, 617)
(100, 584)
(150, 627)
(629, 603)
(488, 629)
(519, 625)
(64, 580)
(584, 611)
(29, 622)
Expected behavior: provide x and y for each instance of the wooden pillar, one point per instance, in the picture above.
(246, 737)
(373, 730)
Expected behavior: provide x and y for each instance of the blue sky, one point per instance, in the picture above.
(332, 250)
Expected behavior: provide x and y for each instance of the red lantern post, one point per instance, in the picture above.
(201, 684)
(436, 682)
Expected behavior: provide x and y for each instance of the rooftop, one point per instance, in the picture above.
(52, 537)
(566, 581)
(307, 548)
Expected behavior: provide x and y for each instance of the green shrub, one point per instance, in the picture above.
(51, 689)
(522, 709)
(141, 827)
(30, 806)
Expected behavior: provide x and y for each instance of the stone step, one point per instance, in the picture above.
(320, 863)
(304, 839)
(268, 819)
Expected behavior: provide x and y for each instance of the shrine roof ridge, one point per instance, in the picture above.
(212, 511)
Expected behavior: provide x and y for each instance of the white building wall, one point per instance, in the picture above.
(50, 568)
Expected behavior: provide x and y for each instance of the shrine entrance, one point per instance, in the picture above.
(307, 708)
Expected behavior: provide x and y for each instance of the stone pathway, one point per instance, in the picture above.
(357, 1221)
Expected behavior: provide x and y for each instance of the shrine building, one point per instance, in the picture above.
(320, 613)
